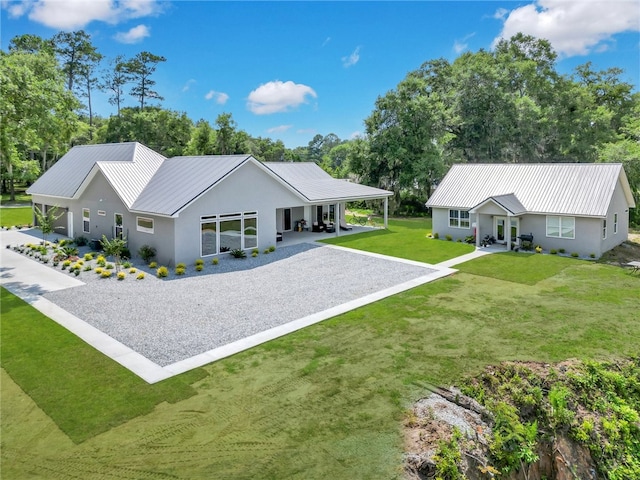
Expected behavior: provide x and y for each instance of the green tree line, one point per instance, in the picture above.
(505, 105)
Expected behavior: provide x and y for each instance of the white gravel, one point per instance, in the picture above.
(176, 318)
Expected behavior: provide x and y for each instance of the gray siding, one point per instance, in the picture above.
(440, 223)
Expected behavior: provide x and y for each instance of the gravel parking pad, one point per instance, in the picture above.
(171, 320)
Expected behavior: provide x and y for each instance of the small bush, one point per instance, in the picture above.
(448, 237)
(66, 263)
(459, 240)
(76, 272)
(254, 254)
(121, 275)
(140, 276)
(80, 241)
(272, 248)
(592, 255)
(162, 272)
(266, 251)
(147, 252)
(180, 270)
(45, 259)
(126, 265)
(538, 249)
(153, 265)
(87, 268)
(199, 261)
(436, 235)
(553, 251)
(238, 253)
(106, 273)
(214, 261)
(199, 267)
(88, 256)
(256, 251)
(109, 266)
(575, 254)
(132, 271)
(99, 270)
(561, 250)
(181, 265)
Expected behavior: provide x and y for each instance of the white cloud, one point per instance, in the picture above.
(75, 14)
(461, 45)
(187, 85)
(277, 96)
(279, 129)
(134, 35)
(306, 131)
(326, 41)
(220, 97)
(572, 27)
(352, 59)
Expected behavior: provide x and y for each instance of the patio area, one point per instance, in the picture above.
(307, 236)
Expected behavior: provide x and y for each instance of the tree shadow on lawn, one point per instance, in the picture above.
(83, 391)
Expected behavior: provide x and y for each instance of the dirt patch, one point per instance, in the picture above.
(626, 252)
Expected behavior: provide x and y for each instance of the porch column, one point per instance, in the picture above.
(336, 225)
(477, 230)
(386, 212)
(507, 229)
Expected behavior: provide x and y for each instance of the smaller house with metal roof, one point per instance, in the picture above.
(189, 207)
(578, 207)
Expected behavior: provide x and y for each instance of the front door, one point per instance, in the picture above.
(287, 220)
(500, 229)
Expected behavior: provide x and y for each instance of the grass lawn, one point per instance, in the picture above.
(324, 402)
(11, 217)
(405, 238)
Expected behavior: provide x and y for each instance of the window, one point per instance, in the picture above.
(615, 223)
(117, 220)
(144, 224)
(221, 233)
(604, 229)
(561, 227)
(459, 219)
(86, 214)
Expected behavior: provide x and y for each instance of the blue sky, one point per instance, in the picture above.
(291, 70)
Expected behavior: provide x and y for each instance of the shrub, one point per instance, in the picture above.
(99, 271)
(575, 254)
(55, 263)
(66, 263)
(448, 237)
(436, 235)
(561, 250)
(181, 265)
(592, 255)
(45, 259)
(76, 266)
(199, 261)
(153, 265)
(132, 270)
(254, 254)
(140, 276)
(109, 266)
(126, 265)
(62, 243)
(88, 256)
(199, 267)
(106, 273)
(121, 275)
(214, 261)
(553, 251)
(80, 241)
(87, 268)
(272, 248)
(180, 270)
(147, 252)
(256, 251)
(76, 272)
(238, 253)
(162, 272)
(538, 249)
(459, 240)
(266, 251)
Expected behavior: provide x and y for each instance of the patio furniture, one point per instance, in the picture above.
(635, 266)
(329, 228)
(278, 236)
(318, 227)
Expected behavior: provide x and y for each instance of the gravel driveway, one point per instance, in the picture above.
(171, 320)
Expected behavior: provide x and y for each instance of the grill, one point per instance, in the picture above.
(526, 238)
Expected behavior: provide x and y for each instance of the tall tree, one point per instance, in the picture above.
(140, 68)
(29, 43)
(75, 50)
(203, 139)
(229, 139)
(89, 81)
(114, 81)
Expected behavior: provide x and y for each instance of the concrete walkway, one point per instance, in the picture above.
(30, 280)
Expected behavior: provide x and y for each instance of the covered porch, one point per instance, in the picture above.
(307, 236)
(498, 218)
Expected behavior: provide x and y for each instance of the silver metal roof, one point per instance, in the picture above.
(127, 166)
(316, 185)
(180, 180)
(583, 189)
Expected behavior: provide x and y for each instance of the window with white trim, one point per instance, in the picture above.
(144, 224)
(604, 229)
(459, 219)
(117, 221)
(86, 220)
(561, 227)
(229, 231)
(615, 223)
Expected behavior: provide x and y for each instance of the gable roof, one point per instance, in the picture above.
(185, 178)
(509, 203)
(127, 166)
(583, 189)
(316, 185)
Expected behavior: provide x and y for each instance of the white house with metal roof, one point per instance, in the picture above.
(189, 207)
(578, 207)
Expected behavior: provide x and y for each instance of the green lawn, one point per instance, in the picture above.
(11, 217)
(324, 402)
(405, 238)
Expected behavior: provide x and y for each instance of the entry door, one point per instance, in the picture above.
(287, 220)
(500, 229)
